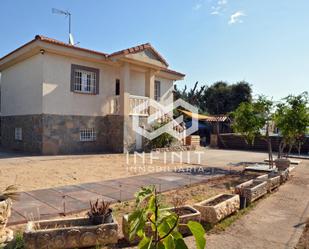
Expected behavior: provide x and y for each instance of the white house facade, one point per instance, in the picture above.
(57, 98)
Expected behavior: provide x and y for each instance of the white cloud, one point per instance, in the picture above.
(197, 6)
(236, 17)
(219, 7)
(222, 2)
(215, 12)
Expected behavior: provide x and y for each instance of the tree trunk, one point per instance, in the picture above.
(289, 151)
(281, 148)
(270, 151)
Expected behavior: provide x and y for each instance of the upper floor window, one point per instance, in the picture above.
(157, 90)
(84, 79)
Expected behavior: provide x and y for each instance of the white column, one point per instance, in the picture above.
(124, 89)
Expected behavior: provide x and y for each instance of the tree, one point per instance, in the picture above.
(219, 98)
(163, 231)
(292, 120)
(250, 118)
(222, 98)
(192, 96)
(240, 92)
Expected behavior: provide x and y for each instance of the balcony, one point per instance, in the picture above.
(138, 105)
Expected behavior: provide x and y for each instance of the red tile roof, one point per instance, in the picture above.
(138, 49)
(131, 50)
(172, 72)
(53, 41)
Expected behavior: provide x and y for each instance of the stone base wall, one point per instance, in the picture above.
(61, 134)
(57, 134)
(31, 133)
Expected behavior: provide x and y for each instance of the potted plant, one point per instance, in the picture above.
(100, 212)
(6, 197)
(218, 207)
(99, 228)
(282, 163)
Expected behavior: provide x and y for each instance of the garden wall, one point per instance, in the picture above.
(237, 142)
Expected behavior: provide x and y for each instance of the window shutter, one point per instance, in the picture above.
(72, 77)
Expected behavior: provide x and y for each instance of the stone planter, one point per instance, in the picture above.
(273, 180)
(69, 233)
(282, 163)
(6, 235)
(284, 176)
(252, 190)
(217, 208)
(191, 214)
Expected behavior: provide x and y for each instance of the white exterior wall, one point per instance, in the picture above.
(57, 95)
(167, 87)
(21, 88)
(41, 84)
(137, 83)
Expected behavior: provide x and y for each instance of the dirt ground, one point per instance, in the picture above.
(36, 172)
(33, 173)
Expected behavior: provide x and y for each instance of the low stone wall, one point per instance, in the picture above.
(237, 142)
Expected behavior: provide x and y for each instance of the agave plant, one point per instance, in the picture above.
(9, 192)
(100, 212)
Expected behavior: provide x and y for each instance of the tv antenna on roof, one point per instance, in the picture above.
(67, 14)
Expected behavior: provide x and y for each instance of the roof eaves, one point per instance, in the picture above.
(56, 42)
(139, 48)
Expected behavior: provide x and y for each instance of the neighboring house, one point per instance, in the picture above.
(59, 99)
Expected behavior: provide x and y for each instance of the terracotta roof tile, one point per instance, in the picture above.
(139, 48)
(172, 72)
(50, 40)
(135, 49)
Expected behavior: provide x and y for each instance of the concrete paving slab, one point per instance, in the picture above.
(63, 203)
(49, 203)
(86, 196)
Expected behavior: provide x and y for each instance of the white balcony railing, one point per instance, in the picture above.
(138, 105)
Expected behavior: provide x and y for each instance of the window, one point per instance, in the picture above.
(18, 134)
(117, 89)
(84, 79)
(157, 90)
(87, 135)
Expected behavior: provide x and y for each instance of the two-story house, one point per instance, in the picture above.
(57, 98)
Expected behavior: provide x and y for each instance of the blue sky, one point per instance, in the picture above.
(264, 42)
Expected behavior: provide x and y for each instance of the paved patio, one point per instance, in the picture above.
(54, 202)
